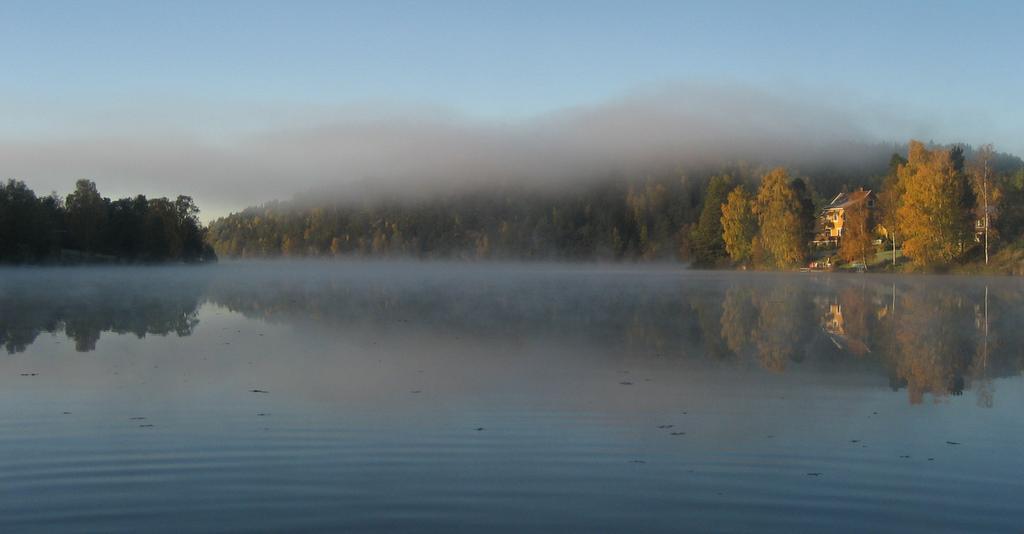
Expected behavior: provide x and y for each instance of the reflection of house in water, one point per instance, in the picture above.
(834, 324)
(833, 320)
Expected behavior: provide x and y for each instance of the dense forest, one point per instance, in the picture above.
(738, 215)
(86, 227)
(620, 218)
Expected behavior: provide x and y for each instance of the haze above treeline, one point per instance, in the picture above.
(236, 156)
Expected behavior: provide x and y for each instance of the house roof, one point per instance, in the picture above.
(845, 200)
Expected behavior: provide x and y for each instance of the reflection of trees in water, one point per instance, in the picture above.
(633, 315)
(772, 324)
(979, 370)
(738, 317)
(931, 339)
(926, 340)
(781, 334)
(709, 312)
(934, 337)
(94, 304)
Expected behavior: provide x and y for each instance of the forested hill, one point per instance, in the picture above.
(650, 218)
(642, 219)
(670, 216)
(87, 227)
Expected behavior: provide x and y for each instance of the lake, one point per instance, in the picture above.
(416, 397)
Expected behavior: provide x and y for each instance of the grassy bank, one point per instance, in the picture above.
(1009, 260)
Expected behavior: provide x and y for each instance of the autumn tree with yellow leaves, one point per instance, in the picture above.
(780, 233)
(739, 224)
(930, 214)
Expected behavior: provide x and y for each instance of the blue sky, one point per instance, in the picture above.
(69, 69)
(503, 58)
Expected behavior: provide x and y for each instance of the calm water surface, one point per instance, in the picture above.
(424, 397)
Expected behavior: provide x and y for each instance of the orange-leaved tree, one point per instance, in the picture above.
(929, 214)
(856, 240)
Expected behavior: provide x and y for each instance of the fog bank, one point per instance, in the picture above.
(424, 150)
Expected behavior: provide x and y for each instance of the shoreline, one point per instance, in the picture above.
(967, 270)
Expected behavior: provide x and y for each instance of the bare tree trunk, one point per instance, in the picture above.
(984, 186)
(894, 247)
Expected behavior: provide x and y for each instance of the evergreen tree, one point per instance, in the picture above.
(807, 212)
(707, 244)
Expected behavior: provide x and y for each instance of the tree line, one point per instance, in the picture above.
(930, 198)
(649, 218)
(615, 220)
(935, 204)
(86, 226)
(940, 205)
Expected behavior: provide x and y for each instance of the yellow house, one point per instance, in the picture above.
(829, 229)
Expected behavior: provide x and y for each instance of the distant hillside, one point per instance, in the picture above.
(648, 217)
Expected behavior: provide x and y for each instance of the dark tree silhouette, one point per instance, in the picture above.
(89, 227)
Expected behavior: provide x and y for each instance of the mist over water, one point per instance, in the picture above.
(426, 396)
